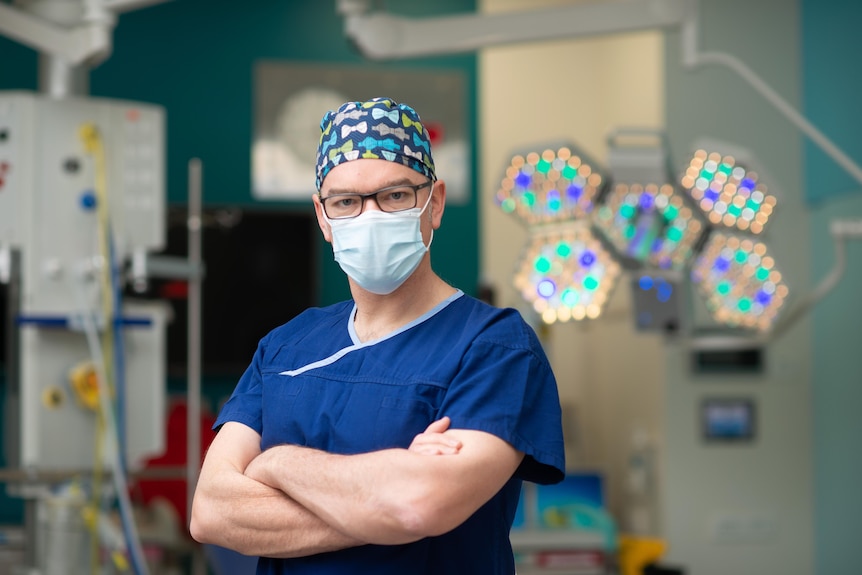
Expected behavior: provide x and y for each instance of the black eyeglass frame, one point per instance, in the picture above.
(364, 197)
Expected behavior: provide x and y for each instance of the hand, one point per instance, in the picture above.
(257, 469)
(434, 441)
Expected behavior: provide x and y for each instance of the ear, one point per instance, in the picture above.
(438, 203)
(321, 221)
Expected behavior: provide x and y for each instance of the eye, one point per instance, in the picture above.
(344, 202)
(397, 196)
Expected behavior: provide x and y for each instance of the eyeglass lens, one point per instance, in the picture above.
(394, 199)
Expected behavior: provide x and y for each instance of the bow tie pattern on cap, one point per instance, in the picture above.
(385, 130)
(403, 138)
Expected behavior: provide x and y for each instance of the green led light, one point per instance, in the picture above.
(725, 168)
(741, 257)
(706, 174)
(569, 172)
(528, 199)
(629, 232)
(734, 210)
(723, 288)
(671, 213)
(674, 234)
(554, 205)
(508, 205)
(762, 274)
(591, 283)
(627, 211)
(569, 298)
(564, 250)
(543, 166)
(542, 265)
(753, 204)
(744, 304)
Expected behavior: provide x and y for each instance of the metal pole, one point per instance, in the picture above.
(193, 450)
(194, 328)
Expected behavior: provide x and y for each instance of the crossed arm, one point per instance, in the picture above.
(292, 501)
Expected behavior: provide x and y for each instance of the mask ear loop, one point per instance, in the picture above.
(428, 202)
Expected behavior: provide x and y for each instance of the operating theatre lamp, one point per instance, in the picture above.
(564, 271)
(645, 218)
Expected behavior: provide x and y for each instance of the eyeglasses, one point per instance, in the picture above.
(391, 199)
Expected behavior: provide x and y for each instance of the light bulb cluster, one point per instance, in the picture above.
(651, 224)
(739, 281)
(566, 274)
(728, 193)
(553, 186)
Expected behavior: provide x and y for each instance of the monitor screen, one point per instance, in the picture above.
(728, 419)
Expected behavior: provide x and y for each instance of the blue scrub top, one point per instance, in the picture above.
(312, 382)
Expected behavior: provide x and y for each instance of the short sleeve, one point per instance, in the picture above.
(505, 387)
(244, 405)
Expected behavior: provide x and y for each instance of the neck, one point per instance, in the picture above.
(379, 315)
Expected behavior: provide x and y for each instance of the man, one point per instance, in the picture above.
(388, 434)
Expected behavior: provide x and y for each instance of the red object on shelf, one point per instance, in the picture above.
(176, 448)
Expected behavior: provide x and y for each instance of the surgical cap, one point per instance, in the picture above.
(380, 128)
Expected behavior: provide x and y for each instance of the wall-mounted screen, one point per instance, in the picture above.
(728, 419)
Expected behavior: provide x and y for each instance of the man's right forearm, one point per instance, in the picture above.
(239, 513)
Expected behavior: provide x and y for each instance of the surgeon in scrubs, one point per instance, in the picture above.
(388, 434)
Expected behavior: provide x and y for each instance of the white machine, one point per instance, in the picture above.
(82, 205)
(82, 192)
(65, 244)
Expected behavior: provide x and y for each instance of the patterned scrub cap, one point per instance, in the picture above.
(380, 128)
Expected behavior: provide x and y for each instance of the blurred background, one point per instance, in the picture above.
(710, 411)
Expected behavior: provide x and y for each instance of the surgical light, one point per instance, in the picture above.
(555, 185)
(565, 273)
(651, 224)
(728, 193)
(739, 281)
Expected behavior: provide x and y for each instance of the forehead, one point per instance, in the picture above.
(368, 174)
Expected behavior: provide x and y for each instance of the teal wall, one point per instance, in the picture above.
(196, 58)
(831, 89)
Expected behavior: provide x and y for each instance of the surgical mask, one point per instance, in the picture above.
(380, 250)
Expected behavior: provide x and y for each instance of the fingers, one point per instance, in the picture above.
(438, 426)
(434, 441)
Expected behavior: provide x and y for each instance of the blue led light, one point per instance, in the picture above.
(748, 184)
(665, 290)
(523, 180)
(763, 298)
(587, 258)
(721, 265)
(546, 288)
(645, 283)
(574, 192)
(646, 202)
(711, 195)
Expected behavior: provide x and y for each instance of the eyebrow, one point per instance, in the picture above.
(405, 181)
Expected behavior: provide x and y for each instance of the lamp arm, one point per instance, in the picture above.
(693, 58)
(780, 104)
(841, 231)
(87, 43)
(75, 45)
(382, 36)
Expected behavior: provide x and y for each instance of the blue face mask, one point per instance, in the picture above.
(380, 250)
